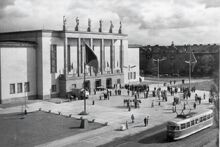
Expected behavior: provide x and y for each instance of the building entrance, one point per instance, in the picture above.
(98, 83)
(87, 84)
(109, 83)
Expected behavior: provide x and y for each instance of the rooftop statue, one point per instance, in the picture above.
(120, 28)
(111, 27)
(77, 24)
(100, 25)
(89, 25)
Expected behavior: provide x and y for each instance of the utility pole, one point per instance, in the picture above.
(158, 67)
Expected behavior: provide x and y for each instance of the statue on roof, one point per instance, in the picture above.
(111, 27)
(120, 28)
(77, 24)
(64, 23)
(100, 25)
(89, 25)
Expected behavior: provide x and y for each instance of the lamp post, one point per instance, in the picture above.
(158, 67)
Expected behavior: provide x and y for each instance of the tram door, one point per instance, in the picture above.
(109, 83)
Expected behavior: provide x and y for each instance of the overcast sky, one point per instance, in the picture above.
(145, 21)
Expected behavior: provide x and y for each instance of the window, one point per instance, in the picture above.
(196, 121)
(192, 122)
(201, 119)
(54, 88)
(131, 75)
(53, 59)
(12, 88)
(183, 126)
(128, 75)
(19, 88)
(134, 75)
(68, 58)
(208, 116)
(188, 124)
(26, 87)
(73, 85)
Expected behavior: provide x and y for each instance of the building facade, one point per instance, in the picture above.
(47, 63)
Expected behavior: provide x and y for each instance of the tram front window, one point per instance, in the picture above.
(172, 128)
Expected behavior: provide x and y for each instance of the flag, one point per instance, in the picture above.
(91, 58)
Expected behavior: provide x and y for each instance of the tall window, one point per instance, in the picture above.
(134, 75)
(54, 88)
(19, 88)
(26, 87)
(53, 58)
(68, 58)
(12, 88)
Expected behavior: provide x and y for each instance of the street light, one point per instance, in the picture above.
(192, 60)
(158, 67)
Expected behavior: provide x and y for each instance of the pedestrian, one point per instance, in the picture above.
(145, 121)
(204, 96)
(126, 125)
(128, 92)
(194, 105)
(93, 102)
(152, 104)
(184, 106)
(132, 118)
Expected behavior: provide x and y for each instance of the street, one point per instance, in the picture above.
(156, 137)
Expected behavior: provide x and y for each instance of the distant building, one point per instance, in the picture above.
(131, 67)
(175, 59)
(42, 64)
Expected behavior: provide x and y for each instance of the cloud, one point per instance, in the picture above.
(145, 22)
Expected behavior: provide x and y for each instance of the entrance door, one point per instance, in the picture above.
(109, 83)
(87, 84)
(98, 83)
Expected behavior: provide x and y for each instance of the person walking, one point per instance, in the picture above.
(126, 125)
(132, 118)
(145, 121)
(194, 105)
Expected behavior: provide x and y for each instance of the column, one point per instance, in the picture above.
(121, 55)
(79, 57)
(102, 56)
(65, 55)
(112, 57)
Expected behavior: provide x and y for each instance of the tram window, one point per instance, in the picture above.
(188, 124)
(208, 116)
(197, 121)
(211, 115)
(204, 118)
(200, 119)
(192, 122)
(183, 126)
(177, 128)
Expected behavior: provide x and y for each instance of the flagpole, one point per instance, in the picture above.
(84, 80)
(189, 68)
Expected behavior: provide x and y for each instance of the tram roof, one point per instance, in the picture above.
(192, 115)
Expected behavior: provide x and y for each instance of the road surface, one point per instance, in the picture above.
(156, 137)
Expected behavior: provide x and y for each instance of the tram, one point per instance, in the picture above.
(182, 127)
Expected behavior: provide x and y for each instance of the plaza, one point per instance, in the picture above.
(112, 112)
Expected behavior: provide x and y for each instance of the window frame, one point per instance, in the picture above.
(53, 58)
(14, 91)
(19, 87)
(27, 88)
(54, 88)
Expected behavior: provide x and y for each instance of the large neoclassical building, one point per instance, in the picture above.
(48, 63)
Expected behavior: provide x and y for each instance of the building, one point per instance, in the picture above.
(131, 64)
(207, 59)
(41, 64)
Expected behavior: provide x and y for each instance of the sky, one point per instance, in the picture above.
(146, 22)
